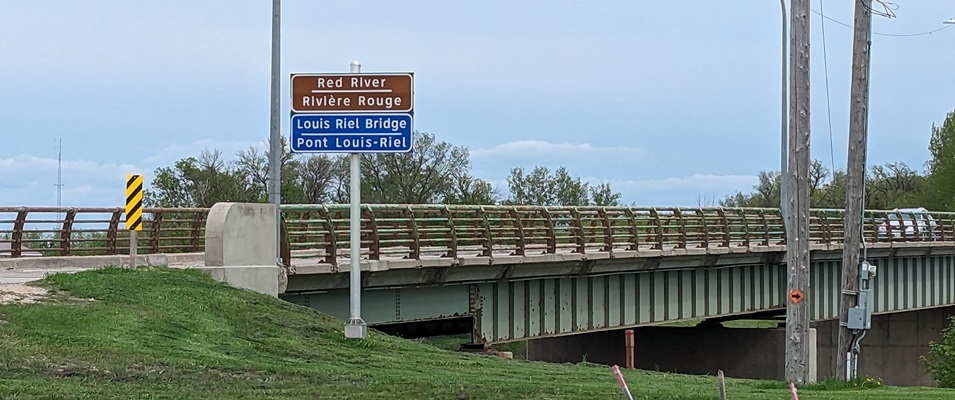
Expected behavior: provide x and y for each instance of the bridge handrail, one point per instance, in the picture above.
(82, 231)
(434, 230)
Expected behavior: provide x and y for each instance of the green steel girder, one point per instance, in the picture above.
(533, 307)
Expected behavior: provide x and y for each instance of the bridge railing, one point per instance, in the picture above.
(417, 231)
(79, 231)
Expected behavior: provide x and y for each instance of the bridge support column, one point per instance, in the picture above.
(739, 352)
(241, 247)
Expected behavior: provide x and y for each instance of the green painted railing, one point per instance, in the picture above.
(416, 231)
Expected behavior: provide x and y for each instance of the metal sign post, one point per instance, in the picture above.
(355, 327)
(275, 132)
(353, 113)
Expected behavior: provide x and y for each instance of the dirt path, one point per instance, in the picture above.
(13, 293)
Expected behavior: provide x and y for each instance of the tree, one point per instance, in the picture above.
(603, 195)
(320, 178)
(254, 166)
(817, 177)
(890, 185)
(766, 193)
(540, 187)
(470, 190)
(832, 194)
(435, 172)
(941, 167)
(201, 182)
(894, 185)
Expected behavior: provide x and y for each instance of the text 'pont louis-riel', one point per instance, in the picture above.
(338, 92)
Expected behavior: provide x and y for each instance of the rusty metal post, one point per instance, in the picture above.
(520, 245)
(16, 248)
(581, 235)
(659, 225)
(452, 235)
(633, 230)
(66, 232)
(682, 243)
(331, 239)
(196, 228)
(155, 231)
(415, 245)
(608, 229)
(629, 345)
(112, 231)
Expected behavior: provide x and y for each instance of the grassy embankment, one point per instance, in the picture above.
(176, 334)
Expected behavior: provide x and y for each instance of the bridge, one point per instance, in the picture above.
(506, 273)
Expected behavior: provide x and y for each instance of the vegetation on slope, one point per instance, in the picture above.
(161, 333)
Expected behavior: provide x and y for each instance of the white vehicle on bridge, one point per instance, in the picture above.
(915, 223)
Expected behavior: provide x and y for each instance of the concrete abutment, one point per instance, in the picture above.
(241, 247)
(891, 350)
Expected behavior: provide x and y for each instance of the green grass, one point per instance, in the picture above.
(176, 334)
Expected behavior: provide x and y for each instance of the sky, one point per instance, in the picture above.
(674, 103)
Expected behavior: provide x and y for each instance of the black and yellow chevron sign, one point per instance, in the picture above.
(134, 202)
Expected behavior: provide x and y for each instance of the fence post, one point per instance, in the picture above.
(519, 227)
(581, 235)
(155, 231)
(196, 228)
(415, 245)
(608, 229)
(551, 233)
(727, 240)
(684, 241)
(331, 239)
(633, 230)
(452, 233)
(66, 232)
(374, 245)
(706, 227)
(630, 345)
(16, 248)
(488, 240)
(655, 216)
(112, 231)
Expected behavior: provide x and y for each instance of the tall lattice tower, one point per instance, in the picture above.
(59, 174)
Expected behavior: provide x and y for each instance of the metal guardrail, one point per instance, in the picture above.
(416, 231)
(52, 231)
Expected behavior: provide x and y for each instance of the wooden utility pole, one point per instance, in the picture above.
(855, 181)
(797, 301)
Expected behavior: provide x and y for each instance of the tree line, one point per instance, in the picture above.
(436, 172)
(887, 186)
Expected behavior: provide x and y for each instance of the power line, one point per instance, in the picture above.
(884, 34)
(825, 62)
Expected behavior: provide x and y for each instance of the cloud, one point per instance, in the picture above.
(540, 149)
(168, 154)
(703, 182)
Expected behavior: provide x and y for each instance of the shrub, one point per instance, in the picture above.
(941, 364)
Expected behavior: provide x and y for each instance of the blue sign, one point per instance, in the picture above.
(352, 133)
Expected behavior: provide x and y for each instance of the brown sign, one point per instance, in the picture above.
(351, 93)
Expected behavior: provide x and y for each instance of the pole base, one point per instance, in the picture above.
(356, 328)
